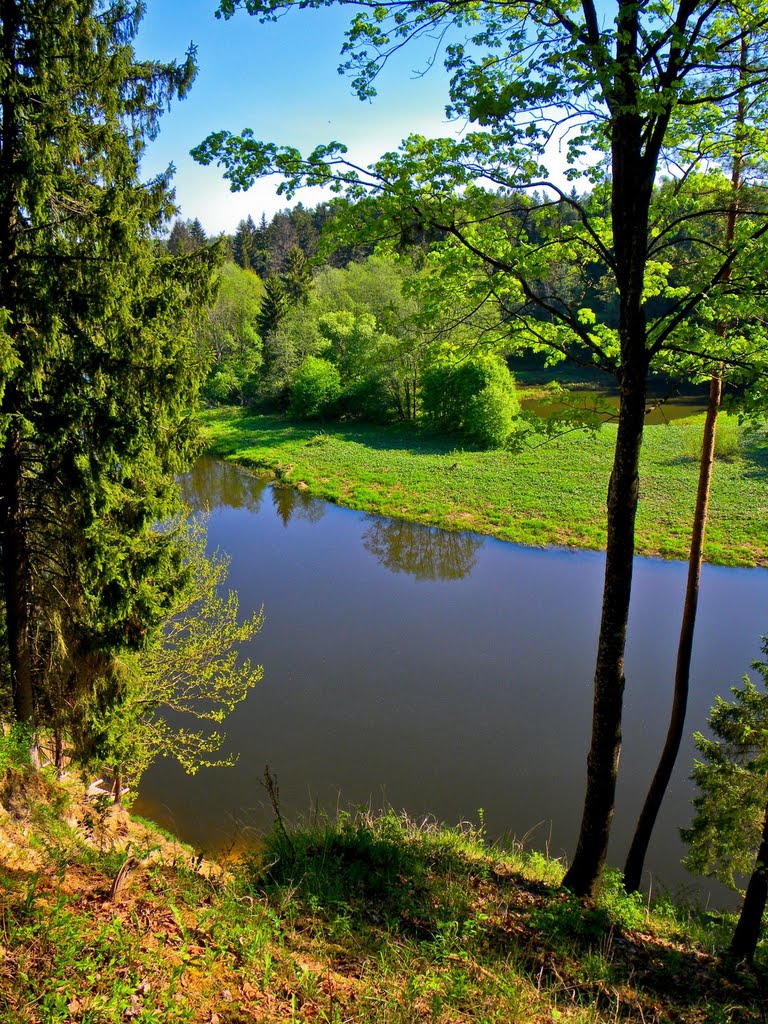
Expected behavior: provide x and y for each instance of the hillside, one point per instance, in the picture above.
(106, 919)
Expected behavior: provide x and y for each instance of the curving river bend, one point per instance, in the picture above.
(442, 673)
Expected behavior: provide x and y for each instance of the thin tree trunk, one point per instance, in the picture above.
(603, 759)
(633, 869)
(14, 561)
(633, 166)
(744, 941)
(16, 583)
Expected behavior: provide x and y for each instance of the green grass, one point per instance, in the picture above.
(553, 494)
(372, 919)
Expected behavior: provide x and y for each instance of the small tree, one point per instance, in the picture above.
(729, 833)
(475, 396)
(316, 387)
(192, 670)
(229, 340)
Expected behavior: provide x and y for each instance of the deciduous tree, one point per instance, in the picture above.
(168, 699)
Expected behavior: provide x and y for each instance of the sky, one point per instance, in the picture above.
(280, 80)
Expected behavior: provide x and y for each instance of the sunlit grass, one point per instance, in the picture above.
(367, 918)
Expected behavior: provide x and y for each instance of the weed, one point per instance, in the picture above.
(624, 909)
(380, 920)
(15, 745)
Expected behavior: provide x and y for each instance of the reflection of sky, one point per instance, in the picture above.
(442, 696)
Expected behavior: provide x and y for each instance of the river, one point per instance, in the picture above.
(442, 673)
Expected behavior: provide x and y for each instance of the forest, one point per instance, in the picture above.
(434, 293)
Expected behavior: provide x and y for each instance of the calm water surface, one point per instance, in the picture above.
(442, 673)
(606, 403)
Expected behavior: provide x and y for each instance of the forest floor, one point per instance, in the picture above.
(548, 492)
(106, 919)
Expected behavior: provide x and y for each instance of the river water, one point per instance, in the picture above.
(442, 673)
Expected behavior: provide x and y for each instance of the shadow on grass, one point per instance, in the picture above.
(756, 455)
(271, 431)
(379, 880)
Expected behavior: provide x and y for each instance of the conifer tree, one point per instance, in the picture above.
(197, 232)
(180, 239)
(274, 306)
(243, 243)
(97, 362)
(729, 833)
(297, 280)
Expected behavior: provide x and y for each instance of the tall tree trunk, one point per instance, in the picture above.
(16, 582)
(14, 561)
(633, 869)
(603, 760)
(633, 166)
(744, 941)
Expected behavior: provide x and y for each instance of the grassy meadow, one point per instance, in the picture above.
(551, 494)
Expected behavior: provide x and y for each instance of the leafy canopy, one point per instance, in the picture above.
(536, 85)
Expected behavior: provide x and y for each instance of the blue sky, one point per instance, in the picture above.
(281, 81)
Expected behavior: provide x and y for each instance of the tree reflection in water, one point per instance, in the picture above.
(428, 553)
(290, 502)
(212, 483)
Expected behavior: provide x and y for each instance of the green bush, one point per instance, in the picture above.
(15, 744)
(475, 397)
(315, 388)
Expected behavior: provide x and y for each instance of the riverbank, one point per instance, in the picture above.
(551, 495)
(372, 920)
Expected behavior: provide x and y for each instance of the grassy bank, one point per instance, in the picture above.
(554, 494)
(377, 921)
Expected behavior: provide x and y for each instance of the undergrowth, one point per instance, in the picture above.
(361, 918)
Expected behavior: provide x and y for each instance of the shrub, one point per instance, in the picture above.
(316, 387)
(475, 396)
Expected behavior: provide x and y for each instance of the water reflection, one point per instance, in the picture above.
(425, 552)
(212, 483)
(445, 673)
(602, 405)
(289, 502)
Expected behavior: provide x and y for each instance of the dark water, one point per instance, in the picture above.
(442, 673)
(605, 405)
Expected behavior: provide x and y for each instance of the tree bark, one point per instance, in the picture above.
(633, 869)
(603, 759)
(16, 581)
(744, 941)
